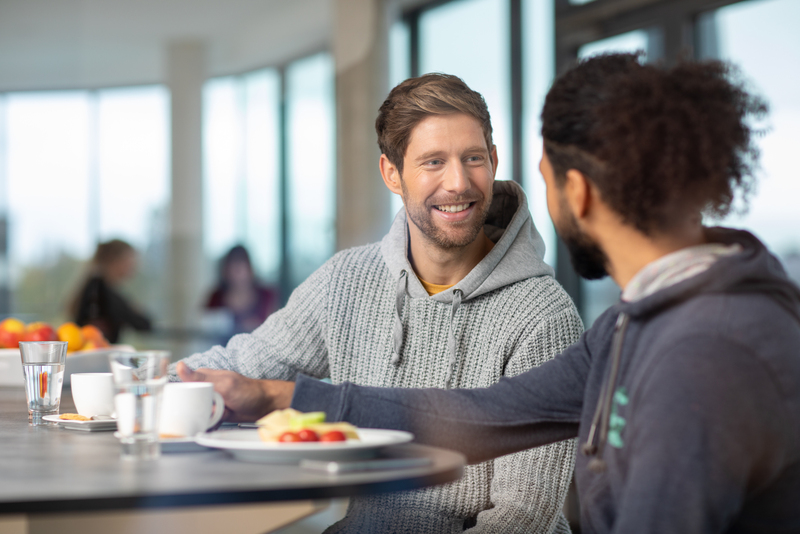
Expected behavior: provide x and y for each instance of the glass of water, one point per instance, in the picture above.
(43, 367)
(139, 379)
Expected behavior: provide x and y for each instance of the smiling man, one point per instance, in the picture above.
(455, 296)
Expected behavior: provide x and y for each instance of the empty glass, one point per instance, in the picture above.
(139, 379)
(43, 368)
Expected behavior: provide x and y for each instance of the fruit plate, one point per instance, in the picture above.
(82, 361)
(246, 445)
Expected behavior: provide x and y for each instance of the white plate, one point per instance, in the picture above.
(177, 445)
(246, 445)
(88, 426)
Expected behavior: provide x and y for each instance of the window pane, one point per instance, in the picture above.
(538, 53)
(48, 156)
(625, 42)
(133, 164)
(399, 70)
(311, 164)
(747, 34)
(262, 168)
(222, 160)
(469, 38)
(242, 166)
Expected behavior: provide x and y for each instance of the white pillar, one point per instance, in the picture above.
(186, 72)
(360, 49)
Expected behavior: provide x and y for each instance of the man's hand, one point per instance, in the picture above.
(246, 399)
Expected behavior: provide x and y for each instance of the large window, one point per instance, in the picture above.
(80, 167)
(311, 168)
(469, 38)
(762, 39)
(249, 127)
(242, 169)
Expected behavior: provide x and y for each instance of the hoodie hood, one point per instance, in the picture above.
(517, 255)
(753, 269)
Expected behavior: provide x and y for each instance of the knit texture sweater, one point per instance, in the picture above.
(343, 321)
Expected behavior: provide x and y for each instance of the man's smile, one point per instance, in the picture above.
(453, 208)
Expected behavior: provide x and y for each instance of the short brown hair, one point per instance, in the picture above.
(657, 142)
(416, 98)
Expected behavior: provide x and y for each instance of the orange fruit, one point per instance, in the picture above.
(71, 333)
(93, 334)
(11, 332)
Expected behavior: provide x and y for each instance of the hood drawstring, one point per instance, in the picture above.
(602, 412)
(451, 342)
(397, 332)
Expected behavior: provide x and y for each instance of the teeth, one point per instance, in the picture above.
(453, 208)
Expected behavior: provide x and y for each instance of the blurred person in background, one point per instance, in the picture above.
(99, 301)
(245, 300)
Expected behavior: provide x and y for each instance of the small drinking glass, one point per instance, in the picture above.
(139, 379)
(43, 368)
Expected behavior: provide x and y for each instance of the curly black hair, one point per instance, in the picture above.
(659, 143)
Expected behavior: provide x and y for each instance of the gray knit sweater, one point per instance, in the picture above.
(364, 317)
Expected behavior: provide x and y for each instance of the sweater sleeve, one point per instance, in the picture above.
(540, 406)
(529, 487)
(707, 425)
(291, 341)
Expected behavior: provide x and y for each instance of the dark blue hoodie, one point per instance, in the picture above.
(686, 404)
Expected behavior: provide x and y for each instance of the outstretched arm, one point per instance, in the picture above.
(538, 407)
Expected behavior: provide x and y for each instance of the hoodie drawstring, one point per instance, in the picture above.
(397, 332)
(602, 413)
(451, 342)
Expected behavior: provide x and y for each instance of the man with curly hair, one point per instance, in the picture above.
(685, 395)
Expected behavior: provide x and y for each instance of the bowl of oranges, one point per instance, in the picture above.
(87, 347)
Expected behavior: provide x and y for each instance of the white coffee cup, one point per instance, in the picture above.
(188, 408)
(93, 393)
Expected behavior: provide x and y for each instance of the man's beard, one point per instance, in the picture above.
(587, 258)
(420, 215)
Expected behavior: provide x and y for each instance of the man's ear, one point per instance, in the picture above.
(493, 155)
(578, 193)
(391, 175)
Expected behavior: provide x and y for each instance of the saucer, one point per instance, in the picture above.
(87, 426)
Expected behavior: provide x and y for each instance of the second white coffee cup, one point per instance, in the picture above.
(188, 408)
(93, 393)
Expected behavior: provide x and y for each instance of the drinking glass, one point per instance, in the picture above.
(43, 368)
(139, 379)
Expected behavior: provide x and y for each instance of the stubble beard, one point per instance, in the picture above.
(420, 215)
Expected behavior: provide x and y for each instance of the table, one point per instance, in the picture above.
(51, 474)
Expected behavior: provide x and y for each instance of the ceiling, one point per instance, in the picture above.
(63, 44)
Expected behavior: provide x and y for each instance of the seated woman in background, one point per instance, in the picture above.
(240, 294)
(99, 301)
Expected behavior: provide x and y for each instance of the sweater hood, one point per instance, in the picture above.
(753, 269)
(517, 255)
